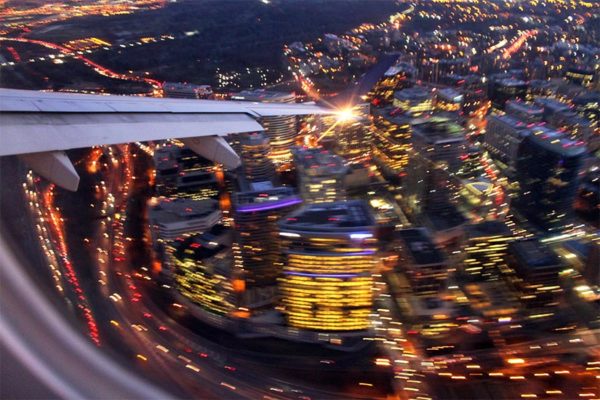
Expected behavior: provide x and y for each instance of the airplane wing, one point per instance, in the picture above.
(40, 126)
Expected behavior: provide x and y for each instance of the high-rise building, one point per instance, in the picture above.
(547, 171)
(202, 272)
(353, 136)
(329, 251)
(437, 147)
(174, 218)
(394, 79)
(504, 89)
(182, 173)
(503, 137)
(320, 175)
(254, 152)
(448, 99)
(281, 130)
(475, 101)
(414, 101)
(536, 270)
(421, 261)
(257, 249)
(485, 250)
(391, 140)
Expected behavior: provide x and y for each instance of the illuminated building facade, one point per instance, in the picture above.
(395, 78)
(391, 140)
(281, 130)
(203, 275)
(257, 249)
(329, 251)
(415, 101)
(320, 175)
(547, 170)
(536, 270)
(448, 100)
(588, 106)
(353, 136)
(580, 76)
(485, 250)
(422, 262)
(182, 173)
(475, 100)
(254, 152)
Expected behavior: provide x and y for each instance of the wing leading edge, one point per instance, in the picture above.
(40, 126)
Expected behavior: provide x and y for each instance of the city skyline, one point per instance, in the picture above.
(300, 199)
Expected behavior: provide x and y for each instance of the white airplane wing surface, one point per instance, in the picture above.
(40, 126)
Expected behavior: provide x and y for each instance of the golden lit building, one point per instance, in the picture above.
(329, 251)
(255, 150)
(202, 273)
(320, 175)
(281, 130)
(414, 101)
(486, 249)
(391, 140)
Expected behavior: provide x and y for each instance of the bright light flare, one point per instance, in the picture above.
(345, 115)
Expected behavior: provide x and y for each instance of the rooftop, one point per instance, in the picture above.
(264, 200)
(556, 141)
(415, 93)
(523, 107)
(487, 229)
(334, 216)
(511, 121)
(420, 246)
(437, 129)
(550, 103)
(319, 161)
(532, 254)
(511, 82)
(264, 96)
(175, 210)
(450, 95)
(202, 246)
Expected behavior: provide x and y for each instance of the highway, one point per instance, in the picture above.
(89, 241)
(79, 55)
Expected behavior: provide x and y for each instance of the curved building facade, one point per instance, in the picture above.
(329, 249)
(255, 150)
(281, 130)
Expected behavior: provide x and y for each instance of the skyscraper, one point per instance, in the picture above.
(414, 101)
(254, 151)
(438, 145)
(547, 170)
(203, 274)
(257, 253)
(281, 130)
(320, 175)
(503, 137)
(329, 251)
(391, 140)
(486, 249)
